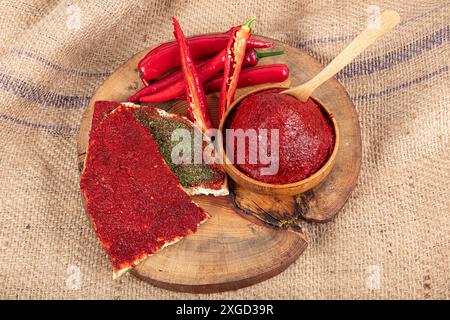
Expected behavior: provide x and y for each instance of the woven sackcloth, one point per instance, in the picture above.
(391, 240)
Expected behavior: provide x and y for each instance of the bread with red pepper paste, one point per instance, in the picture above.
(196, 179)
(136, 204)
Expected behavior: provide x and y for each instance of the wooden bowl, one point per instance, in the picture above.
(293, 188)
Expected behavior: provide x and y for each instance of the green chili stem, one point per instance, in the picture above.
(248, 23)
(260, 55)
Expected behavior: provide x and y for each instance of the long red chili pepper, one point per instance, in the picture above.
(196, 99)
(233, 64)
(251, 59)
(251, 76)
(144, 82)
(165, 82)
(165, 57)
(205, 72)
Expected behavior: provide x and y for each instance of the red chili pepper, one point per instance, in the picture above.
(144, 82)
(196, 99)
(176, 89)
(165, 57)
(235, 56)
(251, 59)
(165, 82)
(252, 56)
(251, 76)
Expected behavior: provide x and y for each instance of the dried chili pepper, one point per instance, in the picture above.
(196, 99)
(165, 57)
(235, 56)
(251, 59)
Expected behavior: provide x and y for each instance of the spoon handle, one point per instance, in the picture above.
(389, 19)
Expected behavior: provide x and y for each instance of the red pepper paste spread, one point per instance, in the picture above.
(306, 136)
(101, 110)
(195, 178)
(136, 203)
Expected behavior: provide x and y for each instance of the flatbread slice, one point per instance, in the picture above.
(136, 203)
(206, 178)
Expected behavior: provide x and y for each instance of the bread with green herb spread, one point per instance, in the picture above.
(196, 178)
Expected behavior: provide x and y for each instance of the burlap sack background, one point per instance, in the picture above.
(391, 240)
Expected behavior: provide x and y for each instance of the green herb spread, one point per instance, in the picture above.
(161, 128)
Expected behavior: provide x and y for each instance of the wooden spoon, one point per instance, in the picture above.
(389, 19)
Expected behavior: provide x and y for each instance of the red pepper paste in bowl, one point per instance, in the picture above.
(305, 137)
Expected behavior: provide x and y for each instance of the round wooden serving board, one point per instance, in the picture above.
(250, 237)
